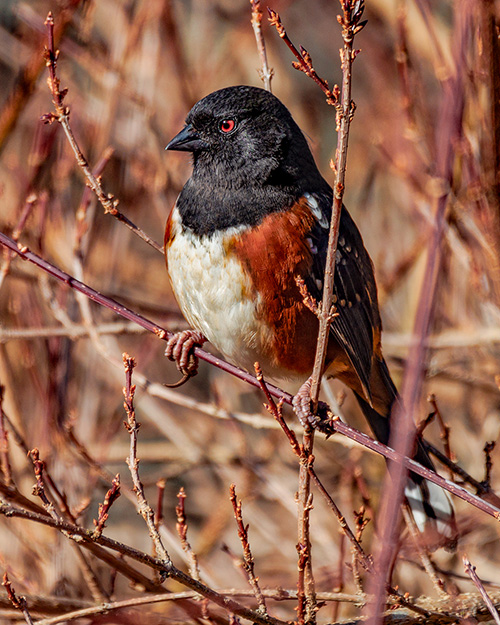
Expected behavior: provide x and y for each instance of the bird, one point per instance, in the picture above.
(249, 225)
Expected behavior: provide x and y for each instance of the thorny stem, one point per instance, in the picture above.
(307, 605)
(61, 115)
(350, 22)
(328, 427)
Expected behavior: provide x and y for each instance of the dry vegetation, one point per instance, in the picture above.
(133, 68)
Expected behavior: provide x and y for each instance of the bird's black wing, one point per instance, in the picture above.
(355, 291)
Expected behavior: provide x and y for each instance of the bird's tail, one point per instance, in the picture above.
(430, 505)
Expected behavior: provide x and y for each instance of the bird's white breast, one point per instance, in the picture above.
(214, 294)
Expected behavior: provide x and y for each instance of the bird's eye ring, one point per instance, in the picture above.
(227, 125)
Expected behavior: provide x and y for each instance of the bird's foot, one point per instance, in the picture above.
(180, 349)
(321, 419)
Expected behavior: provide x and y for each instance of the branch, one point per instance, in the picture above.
(61, 115)
(182, 528)
(304, 61)
(133, 426)
(18, 602)
(471, 571)
(85, 538)
(351, 24)
(248, 561)
(329, 427)
(266, 73)
(449, 130)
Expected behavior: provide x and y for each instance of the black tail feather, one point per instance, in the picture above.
(430, 505)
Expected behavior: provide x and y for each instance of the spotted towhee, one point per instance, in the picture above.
(253, 217)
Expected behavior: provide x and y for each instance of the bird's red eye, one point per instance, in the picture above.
(227, 125)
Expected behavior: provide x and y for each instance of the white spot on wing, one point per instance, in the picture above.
(440, 502)
(316, 210)
(312, 247)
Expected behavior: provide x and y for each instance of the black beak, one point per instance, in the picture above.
(188, 140)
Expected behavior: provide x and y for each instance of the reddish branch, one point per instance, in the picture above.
(276, 411)
(449, 130)
(350, 20)
(111, 496)
(4, 446)
(351, 24)
(166, 568)
(39, 487)
(18, 602)
(488, 464)
(16, 233)
(61, 115)
(328, 427)
(304, 61)
(248, 561)
(132, 427)
(444, 427)
(182, 528)
(471, 571)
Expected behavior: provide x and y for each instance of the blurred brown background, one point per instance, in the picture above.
(133, 69)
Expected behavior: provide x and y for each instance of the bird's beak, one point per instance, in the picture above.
(188, 140)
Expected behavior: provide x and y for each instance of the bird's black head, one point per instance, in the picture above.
(250, 159)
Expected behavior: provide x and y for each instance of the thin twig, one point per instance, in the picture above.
(111, 496)
(4, 446)
(488, 463)
(39, 490)
(427, 563)
(182, 528)
(276, 595)
(16, 233)
(444, 430)
(61, 115)
(133, 426)
(75, 331)
(276, 411)
(18, 602)
(39, 487)
(350, 20)
(307, 605)
(266, 73)
(304, 61)
(248, 561)
(471, 571)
